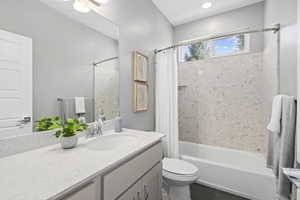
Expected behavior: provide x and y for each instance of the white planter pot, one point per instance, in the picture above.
(51, 132)
(69, 142)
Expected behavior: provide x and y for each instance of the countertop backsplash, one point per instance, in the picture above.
(18, 144)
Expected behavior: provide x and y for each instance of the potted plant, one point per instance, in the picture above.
(48, 124)
(68, 133)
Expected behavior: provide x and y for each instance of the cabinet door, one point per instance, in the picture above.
(133, 193)
(152, 184)
(121, 178)
(88, 192)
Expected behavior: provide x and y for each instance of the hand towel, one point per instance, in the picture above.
(275, 123)
(79, 105)
(66, 108)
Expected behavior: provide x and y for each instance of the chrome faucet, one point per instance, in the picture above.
(100, 125)
(96, 127)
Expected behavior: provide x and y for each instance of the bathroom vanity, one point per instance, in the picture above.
(121, 166)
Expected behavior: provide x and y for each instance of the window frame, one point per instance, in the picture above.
(244, 51)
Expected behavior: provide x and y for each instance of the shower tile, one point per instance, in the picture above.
(226, 102)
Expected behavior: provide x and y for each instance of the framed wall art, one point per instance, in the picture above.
(140, 67)
(140, 97)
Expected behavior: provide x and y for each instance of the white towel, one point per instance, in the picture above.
(79, 105)
(281, 147)
(275, 123)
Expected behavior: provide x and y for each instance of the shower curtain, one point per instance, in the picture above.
(166, 120)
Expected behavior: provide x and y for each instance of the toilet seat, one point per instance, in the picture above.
(179, 167)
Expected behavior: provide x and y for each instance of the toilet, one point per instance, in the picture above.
(177, 177)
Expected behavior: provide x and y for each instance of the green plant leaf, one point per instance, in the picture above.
(71, 127)
(49, 123)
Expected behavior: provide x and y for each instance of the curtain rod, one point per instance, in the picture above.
(275, 29)
(105, 60)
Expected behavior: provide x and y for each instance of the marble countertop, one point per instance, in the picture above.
(48, 172)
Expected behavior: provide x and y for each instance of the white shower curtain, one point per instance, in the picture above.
(166, 120)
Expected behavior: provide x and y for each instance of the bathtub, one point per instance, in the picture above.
(237, 172)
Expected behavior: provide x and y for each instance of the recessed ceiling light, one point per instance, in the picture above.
(81, 6)
(207, 4)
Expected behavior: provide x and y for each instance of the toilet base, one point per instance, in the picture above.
(179, 192)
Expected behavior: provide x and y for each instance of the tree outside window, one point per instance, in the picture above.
(214, 48)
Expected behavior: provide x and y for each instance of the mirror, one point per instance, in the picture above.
(101, 97)
(74, 54)
(106, 88)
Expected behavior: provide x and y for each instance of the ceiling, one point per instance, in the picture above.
(183, 11)
(94, 20)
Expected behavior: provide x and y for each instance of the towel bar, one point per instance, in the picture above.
(60, 99)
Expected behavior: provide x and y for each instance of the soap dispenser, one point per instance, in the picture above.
(118, 124)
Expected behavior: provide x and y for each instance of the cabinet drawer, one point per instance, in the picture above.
(88, 192)
(117, 181)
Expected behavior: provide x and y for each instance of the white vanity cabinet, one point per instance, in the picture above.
(146, 167)
(115, 166)
(147, 188)
(152, 184)
(133, 193)
(137, 178)
(88, 192)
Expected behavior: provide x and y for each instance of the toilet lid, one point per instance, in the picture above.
(177, 166)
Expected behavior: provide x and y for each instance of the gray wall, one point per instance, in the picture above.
(142, 28)
(63, 51)
(235, 20)
(285, 13)
(57, 67)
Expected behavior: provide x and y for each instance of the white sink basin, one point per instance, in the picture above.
(114, 141)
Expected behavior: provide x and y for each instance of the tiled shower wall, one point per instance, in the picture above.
(222, 102)
(107, 89)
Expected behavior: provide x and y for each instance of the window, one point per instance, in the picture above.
(215, 48)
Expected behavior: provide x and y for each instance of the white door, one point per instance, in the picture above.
(15, 84)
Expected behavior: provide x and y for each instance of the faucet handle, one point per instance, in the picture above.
(92, 130)
(101, 116)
